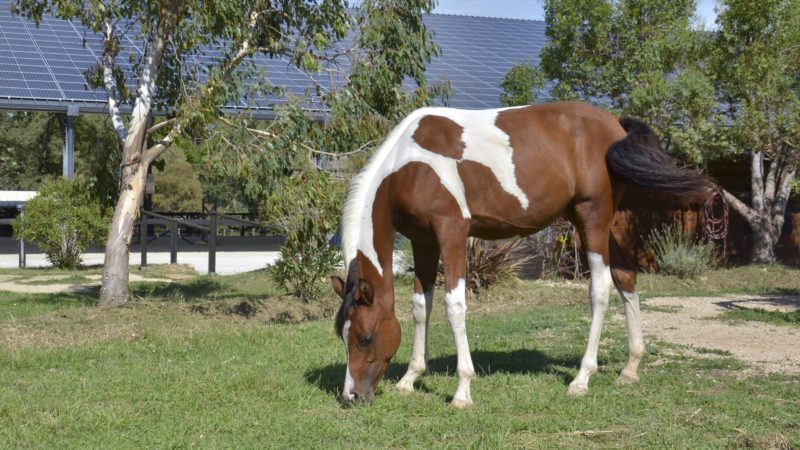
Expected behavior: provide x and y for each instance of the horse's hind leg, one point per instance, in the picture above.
(623, 271)
(594, 222)
(426, 266)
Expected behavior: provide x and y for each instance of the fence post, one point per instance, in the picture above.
(22, 256)
(143, 239)
(212, 241)
(173, 243)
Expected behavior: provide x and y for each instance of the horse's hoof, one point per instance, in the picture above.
(461, 404)
(404, 388)
(624, 379)
(577, 391)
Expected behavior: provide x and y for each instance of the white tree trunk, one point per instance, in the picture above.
(114, 290)
(766, 215)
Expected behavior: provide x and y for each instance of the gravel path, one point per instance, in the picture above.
(692, 321)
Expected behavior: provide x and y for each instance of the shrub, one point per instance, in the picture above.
(305, 209)
(63, 222)
(556, 250)
(679, 253)
(490, 262)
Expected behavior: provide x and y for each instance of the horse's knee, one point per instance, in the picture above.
(419, 308)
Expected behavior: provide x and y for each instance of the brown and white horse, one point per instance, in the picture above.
(445, 174)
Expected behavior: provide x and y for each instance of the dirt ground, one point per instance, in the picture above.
(693, 322)
(28, 285)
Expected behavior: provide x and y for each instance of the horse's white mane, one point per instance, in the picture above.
(361, 185)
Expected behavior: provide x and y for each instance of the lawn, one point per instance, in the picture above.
(188, 366)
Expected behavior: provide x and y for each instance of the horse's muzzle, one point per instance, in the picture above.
(356, 399)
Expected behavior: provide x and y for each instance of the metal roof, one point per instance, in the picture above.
(42, 68)
(15, 198)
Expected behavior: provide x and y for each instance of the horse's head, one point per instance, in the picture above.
(371, 335)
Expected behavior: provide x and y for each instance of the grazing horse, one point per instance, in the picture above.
(445, 174)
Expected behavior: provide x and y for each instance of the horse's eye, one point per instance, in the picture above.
(366, 340)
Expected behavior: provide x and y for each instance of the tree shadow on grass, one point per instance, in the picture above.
(523, 361)
(191, 290)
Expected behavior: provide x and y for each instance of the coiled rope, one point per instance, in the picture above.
(716, 225)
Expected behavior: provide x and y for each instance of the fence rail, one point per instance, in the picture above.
(208, 224)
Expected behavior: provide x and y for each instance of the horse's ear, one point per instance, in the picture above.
(338, 285)
(365, 291)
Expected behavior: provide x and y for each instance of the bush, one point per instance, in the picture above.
(490, 262)
(63, 222)
(679, 253)
(557, 252)
(305, 209)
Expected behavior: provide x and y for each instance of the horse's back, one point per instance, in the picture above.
(509, 171)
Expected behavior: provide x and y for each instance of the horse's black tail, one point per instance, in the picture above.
(638, 161)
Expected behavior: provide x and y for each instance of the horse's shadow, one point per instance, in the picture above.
(331, 377)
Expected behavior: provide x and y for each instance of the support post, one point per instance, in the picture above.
(143, 239)
(173, 243)
(212, 241)
(68, 170)
(22, 253)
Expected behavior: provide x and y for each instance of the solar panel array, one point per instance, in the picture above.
(43, 67)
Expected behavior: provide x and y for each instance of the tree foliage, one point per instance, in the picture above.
(709, 94)
(31, 149)
(174, 72)
(521, 85)
(638, 57)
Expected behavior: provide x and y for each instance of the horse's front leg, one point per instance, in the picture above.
(426, 266)
(454, 254)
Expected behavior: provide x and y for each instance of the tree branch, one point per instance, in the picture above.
(772, 177)
(783, 192)
(156, 150)
(739, 206)
(155, 128)
(757, 180)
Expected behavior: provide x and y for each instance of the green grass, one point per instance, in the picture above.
(766, 279)
(165, 373)
(762, 315)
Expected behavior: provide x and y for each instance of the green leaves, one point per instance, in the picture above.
(62, 222)
(520, 85)
(305, 208)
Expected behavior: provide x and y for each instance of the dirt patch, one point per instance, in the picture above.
(27, 285)
(692, 321)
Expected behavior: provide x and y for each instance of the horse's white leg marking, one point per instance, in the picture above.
(599, 290)
(456, 307)
(635, 340)
(421, 310)
(349, 383)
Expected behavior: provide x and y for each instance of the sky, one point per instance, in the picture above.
(532, 9)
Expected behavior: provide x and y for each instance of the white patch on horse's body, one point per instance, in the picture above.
(484, 143)
(599, 290)
(456, 307)
(349, 383)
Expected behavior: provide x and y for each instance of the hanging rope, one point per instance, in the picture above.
(716, 225)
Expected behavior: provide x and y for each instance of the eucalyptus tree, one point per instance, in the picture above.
(756, 67)
(173, 73)
(636, 57)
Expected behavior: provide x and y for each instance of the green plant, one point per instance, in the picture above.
(679, 253)
(490, 262)
(62, 222)
(305, 209)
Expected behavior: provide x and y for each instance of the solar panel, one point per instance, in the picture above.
(45, 65)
